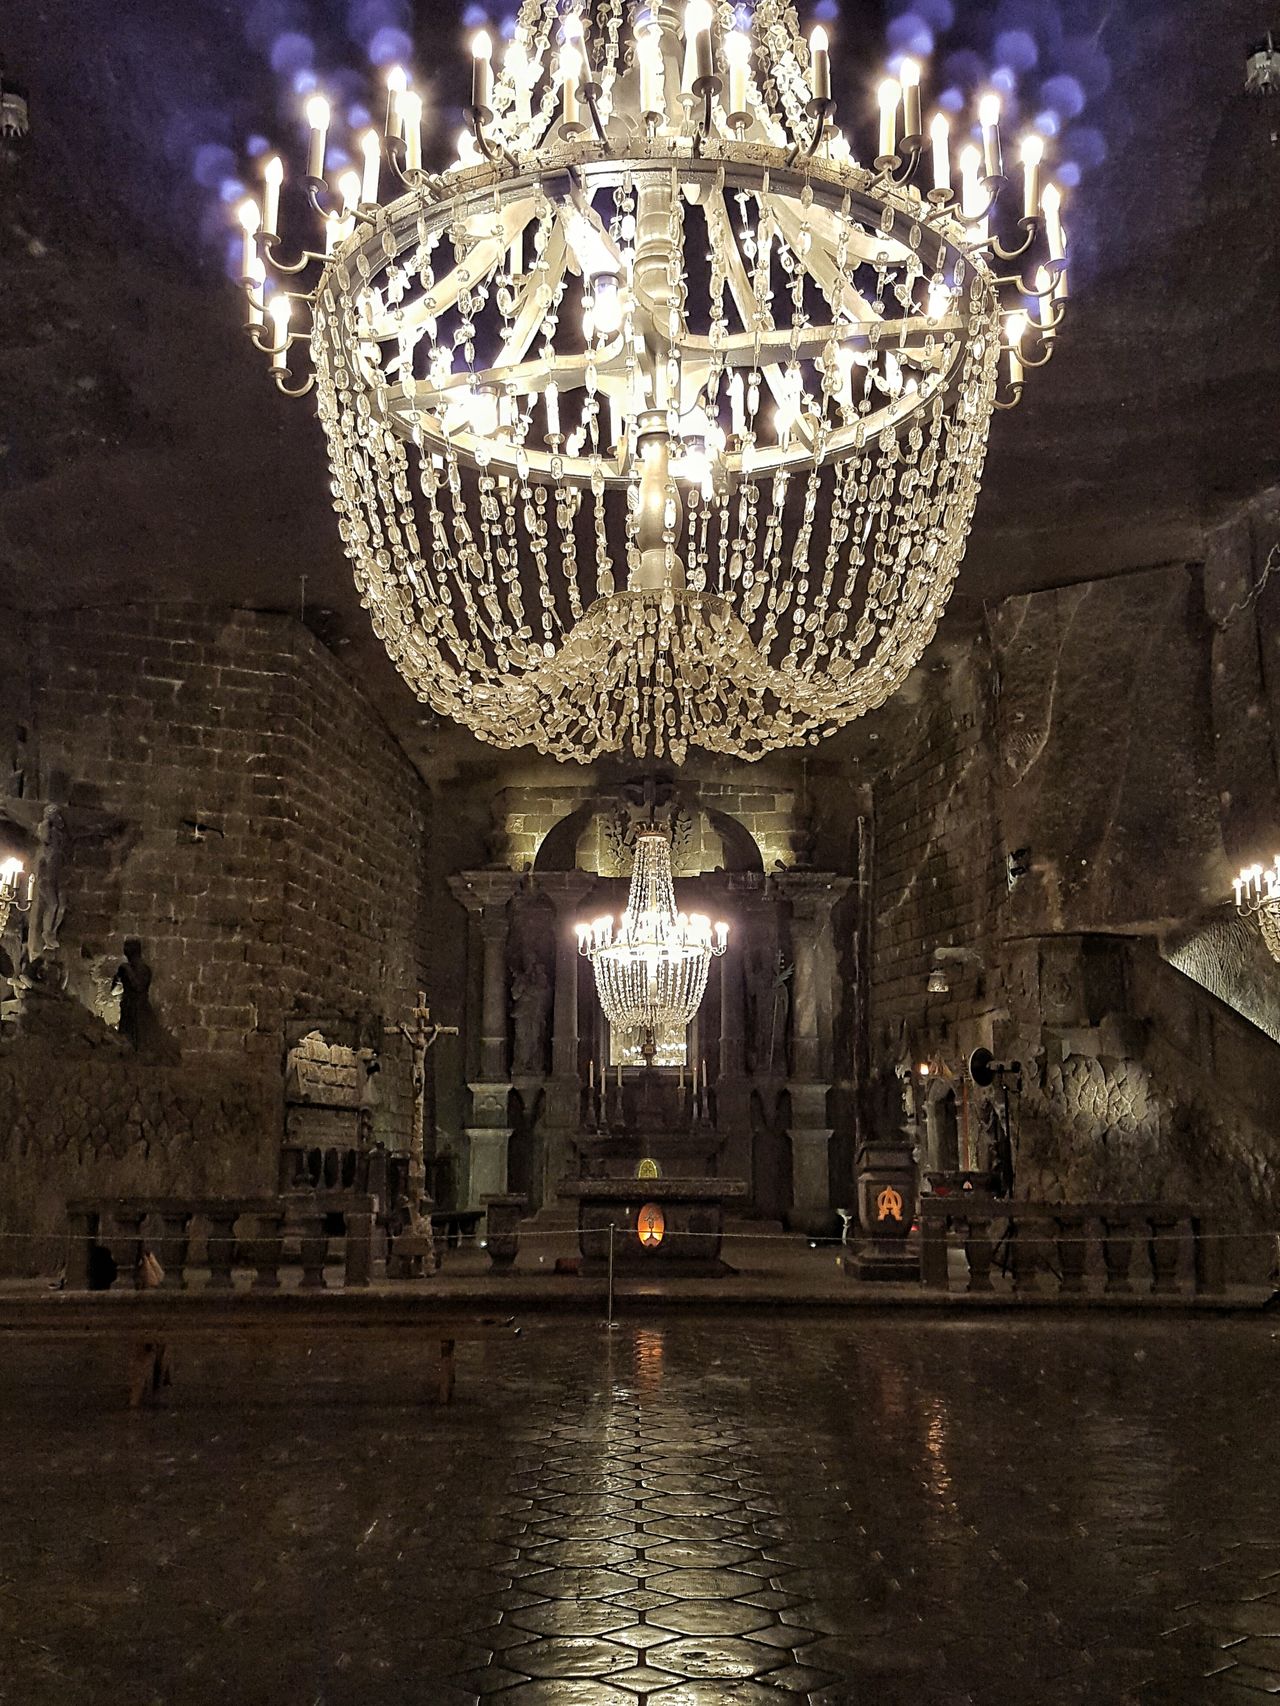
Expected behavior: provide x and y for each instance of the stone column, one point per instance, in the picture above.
(732, 1092)
(811, 896)
(567, 891)
(486, 896)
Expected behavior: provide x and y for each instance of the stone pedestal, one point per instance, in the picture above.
(811, 1209)
(886, 1179)
(487, 1156)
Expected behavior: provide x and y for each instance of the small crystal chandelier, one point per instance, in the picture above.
(1258, 896)
(15, 895)
(659, 417)
(652, 974)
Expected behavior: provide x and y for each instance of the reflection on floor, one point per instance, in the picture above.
(884, 1510)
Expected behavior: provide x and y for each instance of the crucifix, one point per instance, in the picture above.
(421, 1035)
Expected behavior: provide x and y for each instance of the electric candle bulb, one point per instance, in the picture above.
(410, 109)
(989, 119)
(1032, 155)
(819, 65)
(482, 74)
(397, 83)
(940, 135)
(737, 51)
(888, 96)
(649, 54)
(349, 189)
(698, 65)
(1051, 207)
(372, 151)
(1015, 327)
(973, 198)
(272, 178)
(516, 65)
(257, 283)
(249, 218)
(279, 308)
(909, 77)
(570, 71)
(317, 110)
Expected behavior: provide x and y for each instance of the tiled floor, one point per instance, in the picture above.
(884, 1510)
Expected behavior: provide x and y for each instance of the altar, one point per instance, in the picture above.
(665, 1225)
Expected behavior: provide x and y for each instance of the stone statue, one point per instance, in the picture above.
(50, 908)
(530, 1006)
(138, 1021)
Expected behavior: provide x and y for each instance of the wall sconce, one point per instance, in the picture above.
(939, 982)
(15, 895)
(14, 116)
(1258, 897)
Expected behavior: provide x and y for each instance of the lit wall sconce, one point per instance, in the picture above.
(939, 981)
(938, 984)
(1017, 864)
(1258, 897)
(1262, 74)
(15, 893)
(14, 116)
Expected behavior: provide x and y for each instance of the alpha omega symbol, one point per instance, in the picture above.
(889, 1204)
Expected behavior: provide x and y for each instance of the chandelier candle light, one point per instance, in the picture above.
(658, 418)
(1258, 896)
(651, 974)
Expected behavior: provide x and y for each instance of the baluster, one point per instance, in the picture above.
(933, 1250)
(267, 1249)
(127, 1244)
(1026, 1240)
(1164, 1253)
(978, 1250)
(220, 1245)
(1072, 1248)
(172, 1247)
(1210, 1256)
(82, 1235)
(1117, 1253)
(313, 1248)
(359, 1226)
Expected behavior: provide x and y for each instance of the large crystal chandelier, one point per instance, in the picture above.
(651, 973)
(659, 416)
(1258, 897)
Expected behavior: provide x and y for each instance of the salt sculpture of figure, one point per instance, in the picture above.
(133, 979)
(50, 896)
(530, 1003)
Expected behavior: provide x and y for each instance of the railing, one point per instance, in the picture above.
(1068, 1249)
(334, 1167)
(238, 1233)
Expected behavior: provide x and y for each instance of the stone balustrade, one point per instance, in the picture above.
(239, 1232)
(1069, 1250)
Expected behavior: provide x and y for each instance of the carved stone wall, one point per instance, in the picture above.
(230, 798)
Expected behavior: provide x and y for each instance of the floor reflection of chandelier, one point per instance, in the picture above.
(651, 974)
(1258, 897)
(658, 417)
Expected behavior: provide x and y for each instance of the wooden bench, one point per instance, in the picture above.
(150, 1322)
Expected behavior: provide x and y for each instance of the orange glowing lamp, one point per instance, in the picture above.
(651, 1226)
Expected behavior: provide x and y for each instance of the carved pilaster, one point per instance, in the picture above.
(487, 896)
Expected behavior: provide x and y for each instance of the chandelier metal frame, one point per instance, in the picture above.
(651, 970)
(723, 500)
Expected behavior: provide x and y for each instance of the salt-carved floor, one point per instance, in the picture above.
(884, 1510)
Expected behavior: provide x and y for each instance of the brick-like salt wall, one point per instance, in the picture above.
(938, 865)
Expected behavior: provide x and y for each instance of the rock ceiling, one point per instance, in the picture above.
(144, 454)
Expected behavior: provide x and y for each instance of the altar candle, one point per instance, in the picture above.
(619, 1075)
(591, 1074)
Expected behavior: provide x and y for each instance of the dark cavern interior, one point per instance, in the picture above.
(639, 692)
